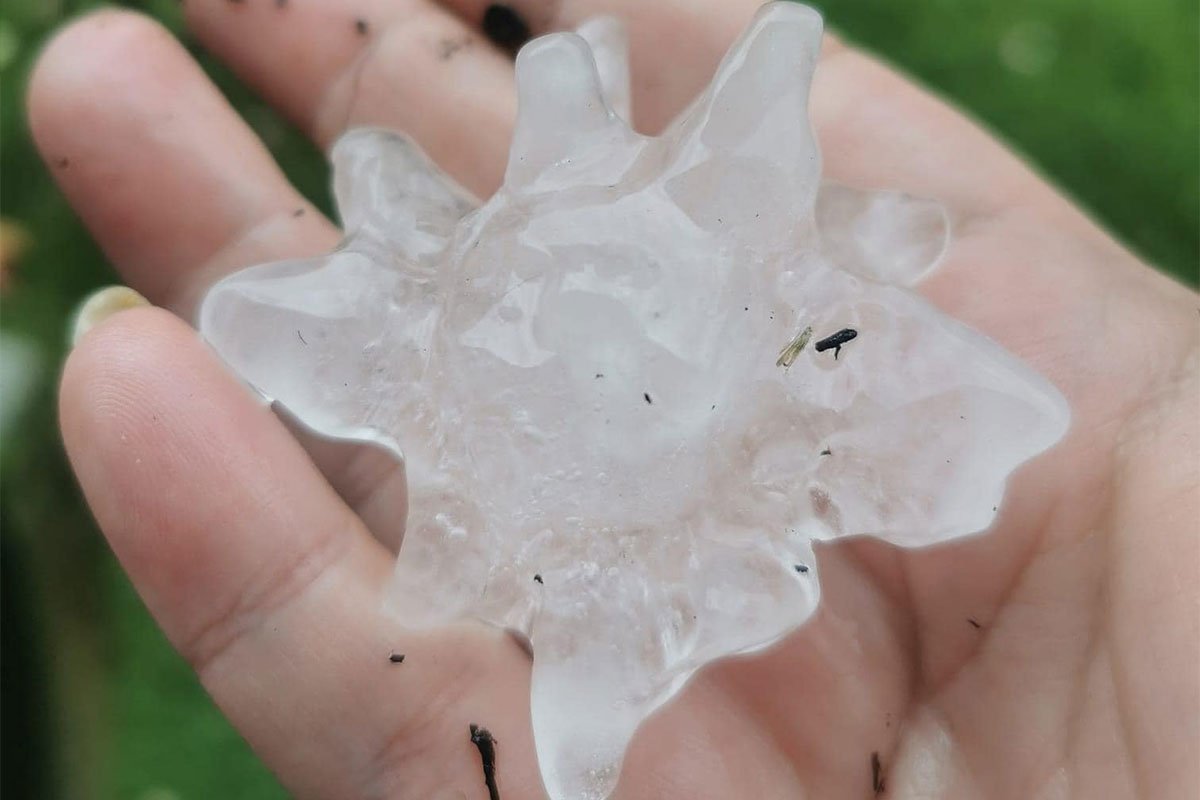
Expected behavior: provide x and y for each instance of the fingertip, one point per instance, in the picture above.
(110, 405)
(118, 332)
(95, 51)
(106, 369)
(174, 185)
(100, 306)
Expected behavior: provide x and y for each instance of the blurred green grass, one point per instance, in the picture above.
(1104, 97)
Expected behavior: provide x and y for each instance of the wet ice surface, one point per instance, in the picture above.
(586, 377)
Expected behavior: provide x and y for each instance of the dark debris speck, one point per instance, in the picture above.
(362, 27)
(835, 341)
(648, 400)
(448, 47)
(396, 658)
(505, 28)
(877, 784)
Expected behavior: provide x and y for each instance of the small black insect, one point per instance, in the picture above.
(506, 29)
(827, 452)
(877, 784)
(396, 658)
(486, 743)
(648, 400)
(801, 568)
(836, 341)
(538, 578)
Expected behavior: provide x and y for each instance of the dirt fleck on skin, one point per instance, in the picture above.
(505, 28)
(447, 48)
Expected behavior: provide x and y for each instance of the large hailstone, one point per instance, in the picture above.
(620, 436)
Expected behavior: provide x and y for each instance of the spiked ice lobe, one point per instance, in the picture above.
(586, 377)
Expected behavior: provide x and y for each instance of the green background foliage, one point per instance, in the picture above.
(1101, 95)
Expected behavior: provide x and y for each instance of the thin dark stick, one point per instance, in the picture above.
(483, 739)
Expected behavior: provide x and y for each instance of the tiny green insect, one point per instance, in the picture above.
(788, 355)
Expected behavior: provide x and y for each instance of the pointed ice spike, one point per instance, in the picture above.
(582, 732)
(566, 134)
(745, 156)
(609, 41)
(580, 751)
(389, 191)
(307, 334)
(890, 237)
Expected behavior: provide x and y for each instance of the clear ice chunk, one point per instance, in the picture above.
(584, 377)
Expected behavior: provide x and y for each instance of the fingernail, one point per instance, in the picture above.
(100, 305)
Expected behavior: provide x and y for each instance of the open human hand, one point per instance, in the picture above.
(1053, 656)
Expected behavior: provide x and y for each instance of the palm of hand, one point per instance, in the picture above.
(1046, 658)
